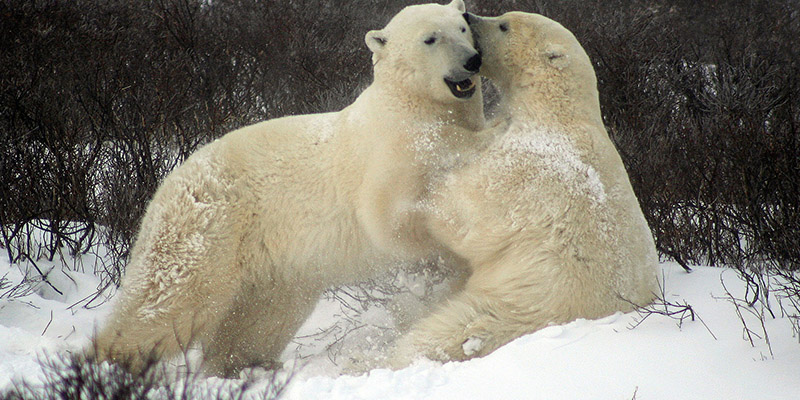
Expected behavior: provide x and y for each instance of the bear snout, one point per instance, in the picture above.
(473, 64)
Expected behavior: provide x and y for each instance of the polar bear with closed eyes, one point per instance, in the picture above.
(545, 217)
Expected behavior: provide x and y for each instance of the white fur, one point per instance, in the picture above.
(545, 217)
(238, 242)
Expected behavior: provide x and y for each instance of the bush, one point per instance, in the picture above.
(75, 377)
(100, 99)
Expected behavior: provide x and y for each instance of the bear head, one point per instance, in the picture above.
(427, 50)
(535, 59)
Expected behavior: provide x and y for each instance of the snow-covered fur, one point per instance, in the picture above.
(238, 242)
(545, 217)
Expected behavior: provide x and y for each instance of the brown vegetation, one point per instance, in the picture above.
(100, 99)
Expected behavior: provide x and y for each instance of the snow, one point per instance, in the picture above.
(622, 356)
(38, 320)
(472, 346)
(555, 154)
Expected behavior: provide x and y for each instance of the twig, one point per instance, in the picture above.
(42, 274)
(48, 323)
(669, 309)
(760, 315)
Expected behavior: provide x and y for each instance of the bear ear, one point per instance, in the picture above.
(376, 41)
(556, 56)
(458, 5)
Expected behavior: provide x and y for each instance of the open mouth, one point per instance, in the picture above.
(462, 89)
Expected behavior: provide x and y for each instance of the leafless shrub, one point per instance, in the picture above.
(70, 377)
(705, 116)
(100, 99)
(759, 311)
(11, 290)
(677, 310)
(788, 296)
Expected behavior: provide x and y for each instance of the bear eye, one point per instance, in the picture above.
(463, 29)
(430, 40)
(504, 27)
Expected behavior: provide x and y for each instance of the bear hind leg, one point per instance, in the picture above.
(257, 328)
(134, 341)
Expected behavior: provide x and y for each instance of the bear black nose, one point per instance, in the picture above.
(467, 18)
(473, 64)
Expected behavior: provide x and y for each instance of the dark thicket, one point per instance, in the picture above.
(701, 100)
(71, 377)
(99, 99)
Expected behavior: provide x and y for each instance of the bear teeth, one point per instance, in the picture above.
(461, 89)
(469, 85)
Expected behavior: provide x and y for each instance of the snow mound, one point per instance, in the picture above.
(641, 355)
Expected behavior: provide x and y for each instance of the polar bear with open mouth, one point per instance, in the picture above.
(238, 242)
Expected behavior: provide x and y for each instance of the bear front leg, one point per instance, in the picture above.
(468, 325)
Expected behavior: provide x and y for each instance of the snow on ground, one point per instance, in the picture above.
(36, 319)
(662, 358)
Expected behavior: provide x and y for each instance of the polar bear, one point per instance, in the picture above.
(545, 217)
(238, 243)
